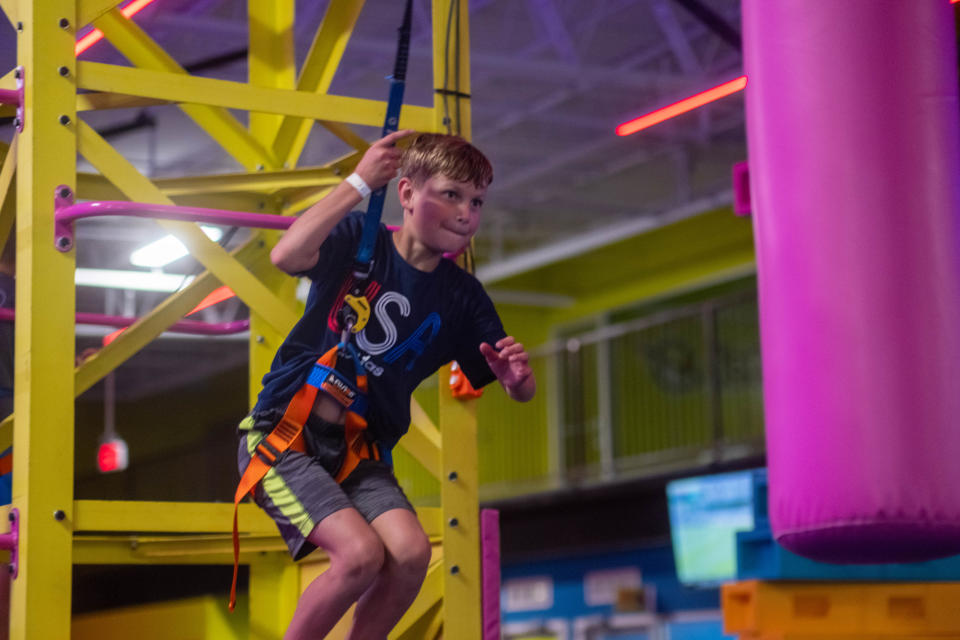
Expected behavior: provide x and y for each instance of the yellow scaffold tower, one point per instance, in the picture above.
(56, 530)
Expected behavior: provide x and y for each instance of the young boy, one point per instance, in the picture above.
(425, 312)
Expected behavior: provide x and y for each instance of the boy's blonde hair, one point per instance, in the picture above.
(432, 154)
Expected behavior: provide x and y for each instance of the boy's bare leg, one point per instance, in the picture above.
(398, 583)
(356, 558)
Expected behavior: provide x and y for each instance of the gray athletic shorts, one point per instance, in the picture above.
(299, 490)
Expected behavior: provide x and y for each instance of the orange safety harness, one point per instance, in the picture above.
(288, 434)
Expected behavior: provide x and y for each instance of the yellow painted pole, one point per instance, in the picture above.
(462, 617)
(460, 505)
(274, 591)
(451, 66)
(271, 65)
(43, 386)
(271, 61)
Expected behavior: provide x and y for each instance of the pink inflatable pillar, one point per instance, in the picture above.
(490, 557)
(855, 164)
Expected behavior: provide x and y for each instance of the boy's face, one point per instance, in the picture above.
(443, 214)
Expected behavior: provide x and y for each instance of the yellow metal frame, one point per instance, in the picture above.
(58, 531)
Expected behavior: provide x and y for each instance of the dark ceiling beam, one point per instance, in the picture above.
(713, 21)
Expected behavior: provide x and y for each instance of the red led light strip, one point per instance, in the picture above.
(96, 35)
(683, 106)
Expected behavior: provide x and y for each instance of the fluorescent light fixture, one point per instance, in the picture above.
(134, 280)
(683, 106)
(166, 250)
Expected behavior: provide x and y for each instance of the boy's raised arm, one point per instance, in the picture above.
(298, 249)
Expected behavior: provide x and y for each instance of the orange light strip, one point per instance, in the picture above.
(96, 35)
(683, 106)
(218, 295)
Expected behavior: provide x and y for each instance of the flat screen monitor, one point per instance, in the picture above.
(706, 512)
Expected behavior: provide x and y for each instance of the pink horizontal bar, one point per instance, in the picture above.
(10, 96)
(183, 326)
(67, 215)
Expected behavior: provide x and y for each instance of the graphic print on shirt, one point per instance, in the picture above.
(389, 308)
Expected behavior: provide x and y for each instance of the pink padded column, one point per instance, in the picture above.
(855, 162)
(490, 557)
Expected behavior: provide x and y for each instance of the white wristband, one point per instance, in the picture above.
(359, 184)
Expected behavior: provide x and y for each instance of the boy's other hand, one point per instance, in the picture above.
(380, 163)
(511, 365)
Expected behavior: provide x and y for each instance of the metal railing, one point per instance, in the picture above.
(681, 388)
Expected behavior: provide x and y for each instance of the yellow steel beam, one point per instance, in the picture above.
(142, 51)
(90, 10)
(8, 214)
(43, 477)
(8, 211)
(423, 440)
(182, 88)
(11, 10)
(8, 81)
(428, 627)
(211, 255)
(346, 134)
(116, 536)
(321, 63)
(93, 186)
(130, 549)
(168, 517)
(270, 61)
(104, 101)
(449, 45)
(430, 595)
(274, 590)
(266, 181)
(302, 199)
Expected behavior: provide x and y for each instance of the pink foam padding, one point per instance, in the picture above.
(490, 550)
(855, 169)
(741, 189)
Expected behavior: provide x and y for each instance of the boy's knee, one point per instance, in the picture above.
(362, 558)
(413, 557)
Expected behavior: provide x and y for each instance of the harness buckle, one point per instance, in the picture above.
(361, 307)
(267, 452)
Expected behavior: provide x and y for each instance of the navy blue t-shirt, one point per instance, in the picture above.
(419, 321)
